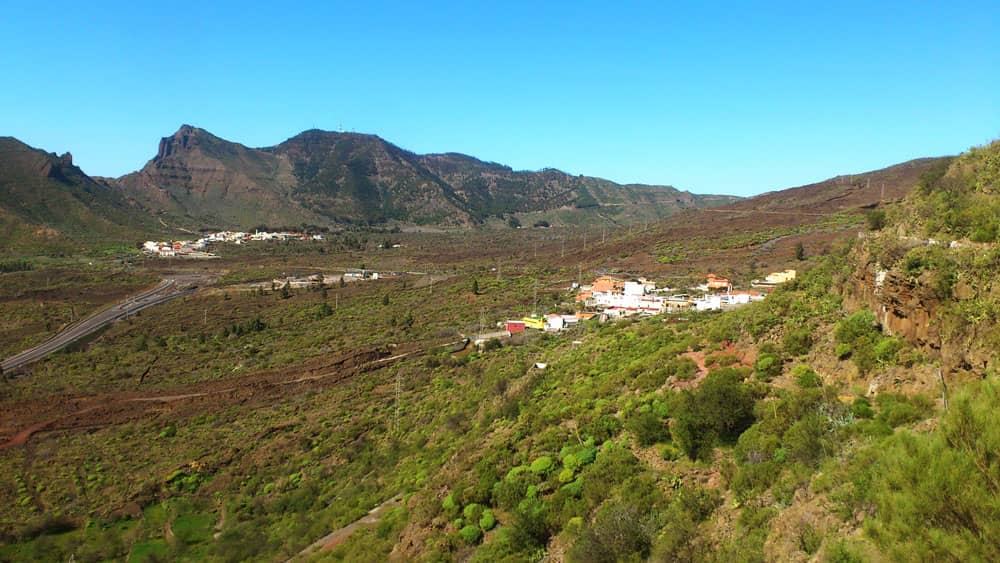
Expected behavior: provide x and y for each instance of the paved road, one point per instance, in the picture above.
(166, 291)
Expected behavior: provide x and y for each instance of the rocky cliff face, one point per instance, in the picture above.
(911, 308)
(196, 174)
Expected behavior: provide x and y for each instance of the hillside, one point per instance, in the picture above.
(321, 177)
(47, 203)
(849, 416)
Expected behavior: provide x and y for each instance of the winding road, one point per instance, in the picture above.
(167, 290)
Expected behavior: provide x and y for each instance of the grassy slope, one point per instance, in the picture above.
(817, 472)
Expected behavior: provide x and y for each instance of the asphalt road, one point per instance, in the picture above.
(166, 291)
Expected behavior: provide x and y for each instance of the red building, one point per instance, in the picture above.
(515, 327)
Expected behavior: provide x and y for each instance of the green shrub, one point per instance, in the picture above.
(487, 521)
(842, 350)
(620, 532)
(807, 440)
(542, 465)
(876, 219)
(887, 350)
(805, 377)
(449, 505)
(767, 366)
(943, 483)
(471, 534)
(798, 341)
(858, 325)
(862, 408)
(472, 511)
(682, 368)
(722, 408)
(896, 409)
(669, 452)
(841, 552)
(648, 428)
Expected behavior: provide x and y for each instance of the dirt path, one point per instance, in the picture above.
(49, 414)
(339, 536)
(57, 413)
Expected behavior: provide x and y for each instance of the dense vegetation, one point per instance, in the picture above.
(788, 429)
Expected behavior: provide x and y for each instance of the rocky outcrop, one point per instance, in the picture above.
(909, 308)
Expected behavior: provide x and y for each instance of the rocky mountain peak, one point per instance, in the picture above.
(179, 142)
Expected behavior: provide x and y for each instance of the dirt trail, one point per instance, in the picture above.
(49, 414)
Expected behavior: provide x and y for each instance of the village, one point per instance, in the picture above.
(196, 248)
(611, 298)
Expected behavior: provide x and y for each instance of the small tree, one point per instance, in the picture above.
(800, 251)
(475, 286)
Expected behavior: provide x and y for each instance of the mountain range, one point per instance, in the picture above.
(324, 179)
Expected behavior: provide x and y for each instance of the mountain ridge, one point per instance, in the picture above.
(47, 202)
(324, 176)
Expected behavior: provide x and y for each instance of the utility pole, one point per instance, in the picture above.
(562, 242)
(534, 301)
(498, 270)
(585, 242)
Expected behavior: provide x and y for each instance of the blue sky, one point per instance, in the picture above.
(710, 97)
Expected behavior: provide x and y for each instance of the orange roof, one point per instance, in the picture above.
(608, 284)
(584, 295)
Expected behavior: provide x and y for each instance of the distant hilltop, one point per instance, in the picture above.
(322, 177)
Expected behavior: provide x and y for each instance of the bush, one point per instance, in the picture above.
(806, 441)
(648, 428)
(896, 409)
(471, 534)
(862, 408)
(767, 366)
(722, 408)
(858, 325)
(842, 351)
(487, 521)
(875, 219)
(449, 505)
(473, 511)
(682, 368)
(805, 377)
(798, 341)
(620, 532)
(542, 465)
(887, 350)
(943, 483)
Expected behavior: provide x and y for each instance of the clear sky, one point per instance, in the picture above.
(713, 97)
